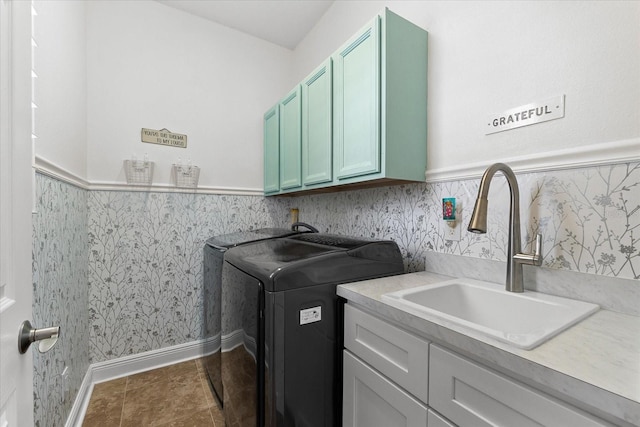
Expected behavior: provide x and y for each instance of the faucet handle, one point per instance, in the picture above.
(537, 254)
(532, 259)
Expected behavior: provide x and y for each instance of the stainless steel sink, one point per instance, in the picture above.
(524, 320)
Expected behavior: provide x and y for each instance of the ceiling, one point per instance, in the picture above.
(283, 22)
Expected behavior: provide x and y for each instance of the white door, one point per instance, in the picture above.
(16, 384)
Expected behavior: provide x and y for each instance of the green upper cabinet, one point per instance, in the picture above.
(363, 119)
(317, 127)
(271, 151)
(290, 141)
(356, 101)
(380, 104)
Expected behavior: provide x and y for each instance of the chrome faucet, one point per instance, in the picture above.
(478, 224)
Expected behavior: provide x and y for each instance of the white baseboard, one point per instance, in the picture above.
(141, 362)
(128, 365)
(211, 345)
(79, 408)
(232, 340)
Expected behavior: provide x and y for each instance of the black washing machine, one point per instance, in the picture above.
(282, 362)
(214, 250)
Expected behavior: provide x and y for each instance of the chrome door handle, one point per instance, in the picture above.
(27, 334)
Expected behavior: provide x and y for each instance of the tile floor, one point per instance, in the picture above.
(173, 396)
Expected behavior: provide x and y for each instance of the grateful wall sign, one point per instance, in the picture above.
(536, 112)
(164, 137)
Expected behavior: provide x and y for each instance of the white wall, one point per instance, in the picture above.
(60, 88)
(487, 57)
(151, 66)
(138, 64)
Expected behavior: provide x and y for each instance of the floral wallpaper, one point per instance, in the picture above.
(60, 297)
(126, 267)
(146, 248)
(145, 263)
(588, 218)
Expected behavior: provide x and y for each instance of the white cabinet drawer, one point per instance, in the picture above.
(471, 395)
(371, 400)
(399, 355)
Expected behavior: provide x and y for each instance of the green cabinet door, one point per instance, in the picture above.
(316, 126)
(356, 103)
(360, 119)
(290, 141)
(272, 151)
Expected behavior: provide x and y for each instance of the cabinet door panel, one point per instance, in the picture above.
(471, 395)
(357, 105)
(290, 141)
(370, 400)
(272, 151)
(317, 126)
(398, 355)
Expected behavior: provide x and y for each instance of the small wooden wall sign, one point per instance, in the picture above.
(164, 137)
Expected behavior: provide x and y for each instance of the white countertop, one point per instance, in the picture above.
(595, 363)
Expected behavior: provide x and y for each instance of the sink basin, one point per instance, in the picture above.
(524, 320)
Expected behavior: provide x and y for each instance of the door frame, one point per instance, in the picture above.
(16, 185)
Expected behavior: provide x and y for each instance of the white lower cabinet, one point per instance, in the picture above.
(393, 378)
(471, 395)
(371, 400)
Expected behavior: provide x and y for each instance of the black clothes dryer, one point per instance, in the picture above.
(281, 355)
(214, 250)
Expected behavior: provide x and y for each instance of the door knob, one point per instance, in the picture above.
(28, 334)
